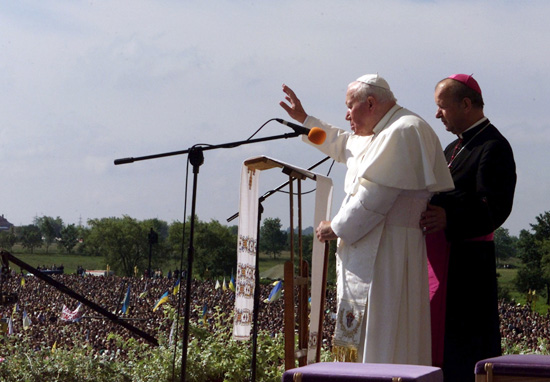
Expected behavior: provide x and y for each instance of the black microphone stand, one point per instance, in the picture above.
(196, 158)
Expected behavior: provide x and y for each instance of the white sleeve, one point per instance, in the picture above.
(364, 211)
(335, 142)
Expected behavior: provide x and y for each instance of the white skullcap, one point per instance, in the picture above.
(374, 80)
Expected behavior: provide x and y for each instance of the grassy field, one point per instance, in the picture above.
(506, 277)
(506, 280)
(71, 262)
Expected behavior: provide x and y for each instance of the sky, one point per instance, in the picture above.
(86, 82)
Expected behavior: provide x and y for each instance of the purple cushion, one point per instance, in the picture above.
(371, 372)
(525, 365)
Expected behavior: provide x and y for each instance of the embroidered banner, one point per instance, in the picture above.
(246, 253)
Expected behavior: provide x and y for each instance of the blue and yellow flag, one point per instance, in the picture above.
(176, 287)
(224, 285)
(232, 283)
(144, 293)
(204, 316)
(275, 292)
(161, 301)
(126, 303)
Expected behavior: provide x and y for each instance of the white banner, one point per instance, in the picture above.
(246, 253)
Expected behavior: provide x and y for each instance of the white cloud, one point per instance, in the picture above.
(83, 82)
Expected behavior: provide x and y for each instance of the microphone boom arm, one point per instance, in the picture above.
(209, 147)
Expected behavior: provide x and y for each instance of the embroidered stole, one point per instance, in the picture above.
(246, 253)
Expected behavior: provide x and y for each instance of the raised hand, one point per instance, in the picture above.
(294, 107)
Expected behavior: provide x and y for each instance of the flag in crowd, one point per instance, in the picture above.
(10, 326)
(204, 313)
(232, 283)
(54, 346)
(224, 285)
(71, 316)
(161, 301)
(176, 287)
(144, 293)
(22, 281)
(217, 285)
(275, 292)
(171, 337)
(26, 320)
(126, 303)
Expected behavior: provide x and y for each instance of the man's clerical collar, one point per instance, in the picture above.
(473, 126)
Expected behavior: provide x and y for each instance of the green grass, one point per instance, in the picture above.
(506, 280)
(506, 277)
(70, 262)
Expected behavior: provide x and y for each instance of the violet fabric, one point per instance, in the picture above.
(437, 250)
(365, 372)
(525, 365)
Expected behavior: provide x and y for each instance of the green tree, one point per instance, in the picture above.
(215, 247)
(272, 238)
(534, 252)
(83, 233)
(50, 229)
(505, 245)
(8, 238)
(69, 237)
(528, 250)
(122, 241)
(160, 251)
(529, 276)
(542, 227)
(215, 250)
(175, 244)
(30, 237)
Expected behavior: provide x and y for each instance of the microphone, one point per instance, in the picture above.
(297, 128)
(315, 134)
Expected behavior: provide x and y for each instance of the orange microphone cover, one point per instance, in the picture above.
(317, 135)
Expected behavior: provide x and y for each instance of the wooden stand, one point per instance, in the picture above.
(296, 272)
(296, 323)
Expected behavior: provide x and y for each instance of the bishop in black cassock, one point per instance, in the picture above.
(482, 166)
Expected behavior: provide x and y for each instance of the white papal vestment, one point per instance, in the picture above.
(382, 277)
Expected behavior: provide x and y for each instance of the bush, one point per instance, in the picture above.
(213, 356)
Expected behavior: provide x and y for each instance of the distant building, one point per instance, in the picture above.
(5, 225)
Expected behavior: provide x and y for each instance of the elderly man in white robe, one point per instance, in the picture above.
(395, 163)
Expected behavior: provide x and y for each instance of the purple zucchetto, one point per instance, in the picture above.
(467, 80)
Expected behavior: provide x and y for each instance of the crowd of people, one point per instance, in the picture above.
(43, 305)
(521, 327)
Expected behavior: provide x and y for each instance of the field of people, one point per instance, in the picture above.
(38, 325)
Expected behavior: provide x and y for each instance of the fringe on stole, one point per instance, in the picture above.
(344, 353)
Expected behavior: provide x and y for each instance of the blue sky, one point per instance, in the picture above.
(84, 83)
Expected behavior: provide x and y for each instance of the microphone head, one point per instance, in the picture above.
(317, 135)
